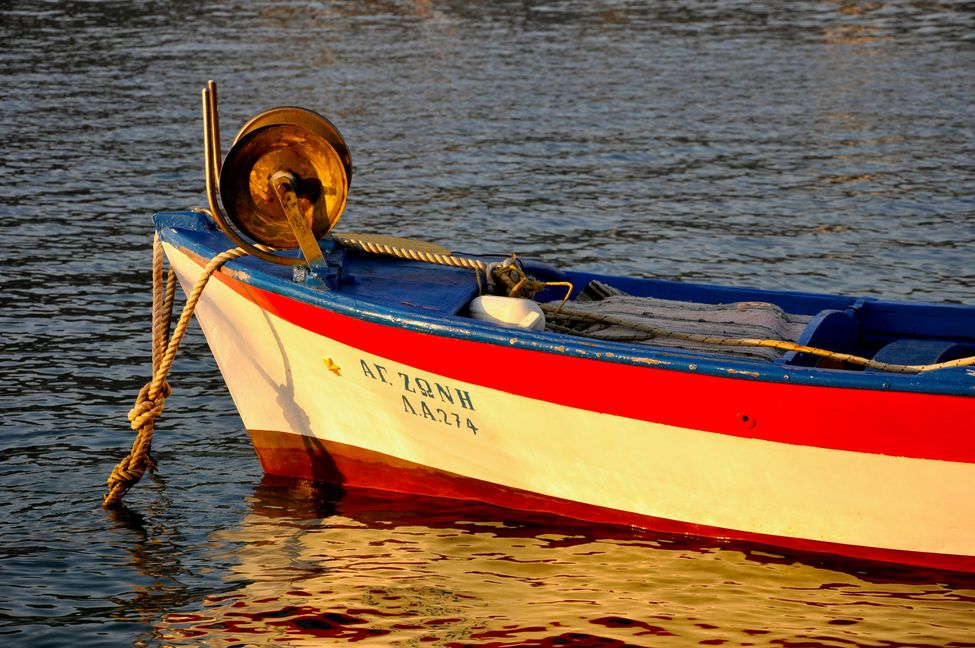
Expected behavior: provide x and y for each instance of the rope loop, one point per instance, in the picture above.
(151, 400)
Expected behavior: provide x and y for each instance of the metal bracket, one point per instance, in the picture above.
(323, 270)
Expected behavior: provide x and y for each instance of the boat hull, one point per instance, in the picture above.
(366, 401)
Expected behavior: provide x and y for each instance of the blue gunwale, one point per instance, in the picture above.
(387, 291)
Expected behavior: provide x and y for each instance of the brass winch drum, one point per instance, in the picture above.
(292, 140)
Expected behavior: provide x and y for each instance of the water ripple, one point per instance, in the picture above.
(811, 145)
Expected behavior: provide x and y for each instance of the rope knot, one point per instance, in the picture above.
(511, 275)
(148, 409)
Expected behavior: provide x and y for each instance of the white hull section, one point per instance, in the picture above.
(287, 379)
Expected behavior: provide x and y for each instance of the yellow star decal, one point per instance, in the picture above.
(331, 366)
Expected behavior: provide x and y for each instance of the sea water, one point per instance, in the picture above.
(823, 146)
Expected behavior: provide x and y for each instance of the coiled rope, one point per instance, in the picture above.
(152, 397)
(569, 314)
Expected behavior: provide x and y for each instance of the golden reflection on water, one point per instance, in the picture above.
(322, 567)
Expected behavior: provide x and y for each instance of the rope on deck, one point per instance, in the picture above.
(152, 397)
(377, 247)
(518, 284)
(565, 313)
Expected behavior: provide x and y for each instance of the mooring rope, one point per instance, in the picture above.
(152, 397)
(569, 313)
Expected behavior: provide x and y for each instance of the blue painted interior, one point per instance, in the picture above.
(833, 329)
(921, 351)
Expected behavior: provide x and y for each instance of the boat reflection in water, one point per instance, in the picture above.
(323, 565)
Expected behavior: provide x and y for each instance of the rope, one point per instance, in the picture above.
(152, 397)
(507, 272)
(570, 313)
(374, 247)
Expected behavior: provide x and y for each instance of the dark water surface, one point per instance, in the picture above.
(809, 145)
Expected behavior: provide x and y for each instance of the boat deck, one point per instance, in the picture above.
(893, 332)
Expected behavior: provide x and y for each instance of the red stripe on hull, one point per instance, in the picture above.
(907, 424)
(302, 457)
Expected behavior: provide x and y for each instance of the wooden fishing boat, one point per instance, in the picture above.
(835, 424)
